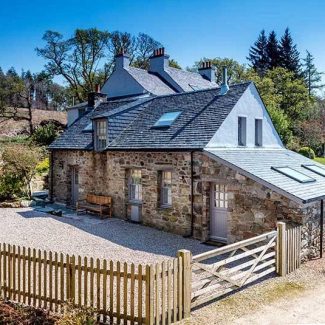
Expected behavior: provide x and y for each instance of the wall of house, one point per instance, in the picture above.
(250, 106)
(253, 208)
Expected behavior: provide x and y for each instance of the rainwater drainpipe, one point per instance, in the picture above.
(321, 226)
(51, 176)
(192, 194)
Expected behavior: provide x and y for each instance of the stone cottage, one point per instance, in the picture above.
(177, 152)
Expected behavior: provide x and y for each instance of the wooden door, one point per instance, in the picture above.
(74, 185)
(218, 212)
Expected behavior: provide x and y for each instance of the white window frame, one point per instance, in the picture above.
(135, 185)
(166, 188)
(258, 132)
(100, 134)
(220, 199)
(242, 131)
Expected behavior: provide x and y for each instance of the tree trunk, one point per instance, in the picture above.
(30, 119)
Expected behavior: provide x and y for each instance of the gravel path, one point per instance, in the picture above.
(89, 236)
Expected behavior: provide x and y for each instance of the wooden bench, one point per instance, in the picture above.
(96, 203)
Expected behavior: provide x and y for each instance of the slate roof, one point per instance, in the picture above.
(131, 121)
(202, 113)
(75, 138)
(153, 84)
(257, 163)
(189, 81)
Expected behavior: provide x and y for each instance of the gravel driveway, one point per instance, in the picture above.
(89, 236)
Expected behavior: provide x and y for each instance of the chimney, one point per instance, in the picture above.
(158, 61)
(207, 71)
(122, 60)
(95, 97)
(224, 86)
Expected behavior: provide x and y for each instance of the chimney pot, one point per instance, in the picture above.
(97, 88)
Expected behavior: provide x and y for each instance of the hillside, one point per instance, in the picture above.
(13, 128)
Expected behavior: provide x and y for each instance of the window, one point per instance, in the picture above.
(316, 169)
(167, 119)
(241, 131)
(88, 128)
(101, 135)
(220, 199)
(258, 132)
(166, 188)
(294, 174)
(135, 185)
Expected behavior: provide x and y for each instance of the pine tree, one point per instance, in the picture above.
(289, 55)
(310, 73)
(272, 50)
(258, 56)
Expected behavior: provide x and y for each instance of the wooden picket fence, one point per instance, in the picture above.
(115, 292)
(163, 293)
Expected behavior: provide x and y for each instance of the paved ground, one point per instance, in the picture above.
(89, 236)
(298, 298)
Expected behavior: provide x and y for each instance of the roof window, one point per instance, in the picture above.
(167, 119)
(316, 169)
(294, 174)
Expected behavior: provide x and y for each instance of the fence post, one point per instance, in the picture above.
(187, 280)
(281, 249)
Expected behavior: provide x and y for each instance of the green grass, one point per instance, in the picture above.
(320, 160)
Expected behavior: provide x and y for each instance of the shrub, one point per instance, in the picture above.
(43, 166)
(77, 316)
(21, 161)
(45, 134)
(10, 186)
(307, 152)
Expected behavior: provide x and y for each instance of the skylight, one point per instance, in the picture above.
(167, 119)
(88, 128)
(294, 174)
(316, 169)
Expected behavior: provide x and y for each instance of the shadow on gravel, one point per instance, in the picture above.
(124, 233)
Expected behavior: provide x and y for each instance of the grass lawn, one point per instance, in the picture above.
(321, 160)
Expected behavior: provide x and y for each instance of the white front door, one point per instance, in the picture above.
(218, 212)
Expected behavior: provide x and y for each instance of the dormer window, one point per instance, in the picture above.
(242, 130)
(258, 132)
(100, 134)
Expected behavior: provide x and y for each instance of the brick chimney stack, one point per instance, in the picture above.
(207, 71)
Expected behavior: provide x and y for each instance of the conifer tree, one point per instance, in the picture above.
(272, 50)
(311, 75)
(289, 55)
(258, 55)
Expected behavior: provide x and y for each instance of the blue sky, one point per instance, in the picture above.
(189, 29)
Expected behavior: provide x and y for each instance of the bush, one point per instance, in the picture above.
(307, 152)
(21, 161)
(77, 316)
(11, 186)
(45, 134)
(43, 166)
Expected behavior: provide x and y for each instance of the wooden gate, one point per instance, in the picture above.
(223, 270)
(231, 267)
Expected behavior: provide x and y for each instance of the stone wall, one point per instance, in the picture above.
(253, 208)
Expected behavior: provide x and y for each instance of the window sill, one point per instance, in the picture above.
(135, 202)
(165, 207)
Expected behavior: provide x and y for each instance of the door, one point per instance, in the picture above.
(74, 185)
(218, 212)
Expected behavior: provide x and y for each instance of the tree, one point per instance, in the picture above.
(311, 75)
(289, 55)
(21, 161)
(76, 59)
(87, 58)
(235, 69)
(258, 56)
(272, 51)
(17, 92)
